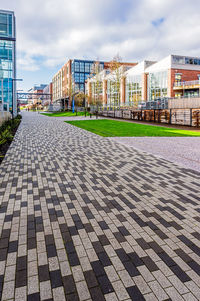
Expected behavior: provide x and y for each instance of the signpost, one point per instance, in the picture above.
(73, 107)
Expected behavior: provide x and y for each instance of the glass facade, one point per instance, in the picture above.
(97, 90)
(113, 93)
(157, 85)
(81, 70)
(7, 62)
(133, 90)
(185, 60)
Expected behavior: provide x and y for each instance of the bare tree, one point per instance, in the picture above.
(117, 74)
(96, 84)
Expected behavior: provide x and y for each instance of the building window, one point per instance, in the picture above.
(82, 86)
(82, 67)
(192, 61)
(7, 63)
(113, 93)
(5, 25)
(178, 60)
(76, 87)
(87, 67)
(133, 90)
(91, 67)
(178, 77)
(82, 77)
(77, 69)
(86, 76)
(101, 66)
(76, 77)
(157, 85)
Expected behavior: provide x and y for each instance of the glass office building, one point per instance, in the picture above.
(8, 100)
(81, 70)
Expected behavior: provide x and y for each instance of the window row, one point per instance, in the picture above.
(5, 25)
(185, 60)
(85, 67)
(80, 77)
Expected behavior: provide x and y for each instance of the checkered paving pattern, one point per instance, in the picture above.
(85, 218)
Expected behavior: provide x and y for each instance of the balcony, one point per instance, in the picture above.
(194, 84)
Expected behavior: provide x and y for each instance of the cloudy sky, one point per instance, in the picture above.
(51, 31)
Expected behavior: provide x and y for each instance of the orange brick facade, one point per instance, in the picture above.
(186, 75)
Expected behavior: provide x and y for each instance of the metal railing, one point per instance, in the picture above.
(187, 83)
(160, 103)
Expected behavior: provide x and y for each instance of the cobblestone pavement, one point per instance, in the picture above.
(181, 150)
(85, 218)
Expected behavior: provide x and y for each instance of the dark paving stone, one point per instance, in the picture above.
(34, 297)
(96, 294)
(72, 297)
(43, 271)
(97, 268)
(21, 278)
(69, 284)
(90, 279)
(56, 279)
(21, 263)
(131, 269)
(150, 264)
(105, 284)
(135, 293)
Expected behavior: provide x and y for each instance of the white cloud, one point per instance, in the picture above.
(62, 29)
(27, 63)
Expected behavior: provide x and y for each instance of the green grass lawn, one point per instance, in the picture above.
(65, 114)
(113, 128)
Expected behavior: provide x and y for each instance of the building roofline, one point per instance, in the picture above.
(89, 61)
(190, 56)
(7, 11)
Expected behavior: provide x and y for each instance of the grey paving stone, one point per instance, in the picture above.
(85, 218)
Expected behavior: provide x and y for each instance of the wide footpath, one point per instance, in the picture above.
(85, 218)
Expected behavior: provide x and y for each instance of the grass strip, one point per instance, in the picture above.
(115, 128)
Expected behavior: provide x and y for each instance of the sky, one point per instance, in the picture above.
(49, 32)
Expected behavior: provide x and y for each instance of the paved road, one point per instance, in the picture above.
(85, 218)
(180, 150)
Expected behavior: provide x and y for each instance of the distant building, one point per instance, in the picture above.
(72, 77)
(48, 98)
(174, 76)
(8, 100)
(33, 99)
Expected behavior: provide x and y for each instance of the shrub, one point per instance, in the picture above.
(7, 128)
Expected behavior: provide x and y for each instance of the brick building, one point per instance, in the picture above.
(109, 84)
(72, 77)
(172, 77)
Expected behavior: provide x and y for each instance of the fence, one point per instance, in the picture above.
(184, 103)
(187, 117)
